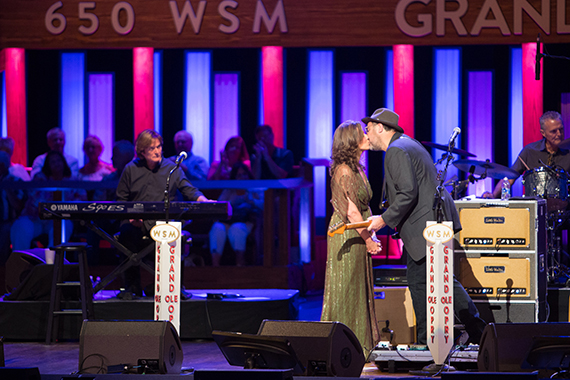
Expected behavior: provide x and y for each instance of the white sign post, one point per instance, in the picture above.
(167, 272)
(439, 292)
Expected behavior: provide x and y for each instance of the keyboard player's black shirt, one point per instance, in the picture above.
(139, 183)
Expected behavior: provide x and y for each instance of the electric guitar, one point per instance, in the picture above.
(340, 227)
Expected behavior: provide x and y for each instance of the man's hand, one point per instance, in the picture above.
(202, 198)
(136, 222)
(377, 223)
(261, 149)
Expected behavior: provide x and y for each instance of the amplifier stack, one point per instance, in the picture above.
(500, 258)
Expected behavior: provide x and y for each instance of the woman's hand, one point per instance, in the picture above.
(373, 245)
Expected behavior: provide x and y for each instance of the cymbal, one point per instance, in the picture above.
(491, 169)
(461, 152)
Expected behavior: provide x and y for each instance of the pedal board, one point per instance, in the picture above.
(412, 357)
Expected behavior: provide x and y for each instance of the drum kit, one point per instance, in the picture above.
(546, 182)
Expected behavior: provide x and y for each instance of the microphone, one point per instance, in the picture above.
(456, 132)
(181, 157)
(537, 58)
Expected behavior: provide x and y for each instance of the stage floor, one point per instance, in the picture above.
(61, 360)
(56, 360)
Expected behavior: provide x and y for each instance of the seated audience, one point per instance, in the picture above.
(269, 161)
(195, 167)
(17, 170)
(234, 152)
(94, 169)
(247, 206)
(56, 142)
(123, 153)
(11, 204)
(29, 226)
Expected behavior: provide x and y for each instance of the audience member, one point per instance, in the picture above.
(94, 169)
(195, 167)
(11, 204)
(269, 161)
(17, 170)
(29, 226)
(235, 151)
(247, 206)
(123, 153)
(56, 142)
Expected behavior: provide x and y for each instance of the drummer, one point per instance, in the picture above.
(547, 151)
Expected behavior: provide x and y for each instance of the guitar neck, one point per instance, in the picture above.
(351, 226)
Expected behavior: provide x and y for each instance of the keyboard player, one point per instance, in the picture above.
(144, 180)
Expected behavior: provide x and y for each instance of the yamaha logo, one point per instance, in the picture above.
(63, 207)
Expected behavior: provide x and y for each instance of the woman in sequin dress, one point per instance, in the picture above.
(349, 295)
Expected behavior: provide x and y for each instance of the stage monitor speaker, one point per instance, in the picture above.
(111, 346)
(324, 348)
(20, 264)
(505, 346)
(36, 286)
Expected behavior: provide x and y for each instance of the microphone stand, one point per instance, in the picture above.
(438, 196)
(540, 55)
(167, 191)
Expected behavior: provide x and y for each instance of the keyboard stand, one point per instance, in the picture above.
(133, 258)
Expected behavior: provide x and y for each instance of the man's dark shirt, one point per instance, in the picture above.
(535, 152)
(139, 183)
(283, 158)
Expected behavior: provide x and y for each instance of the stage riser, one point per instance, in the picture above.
(28, 320)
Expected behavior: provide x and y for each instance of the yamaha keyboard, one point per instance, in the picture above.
(85, 210)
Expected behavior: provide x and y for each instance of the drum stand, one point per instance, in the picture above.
(556, 273)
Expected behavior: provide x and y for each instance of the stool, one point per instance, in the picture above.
(84, 284)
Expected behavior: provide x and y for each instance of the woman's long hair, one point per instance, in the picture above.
(345, 148)
(243, 154)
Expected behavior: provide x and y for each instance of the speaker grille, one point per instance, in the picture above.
(324, 348)
(105, 344)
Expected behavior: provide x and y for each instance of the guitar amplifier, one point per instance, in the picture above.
(390, 275)
(508, 277)
(494, 226)
(500, 255)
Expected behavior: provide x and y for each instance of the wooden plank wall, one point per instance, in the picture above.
(295, 23)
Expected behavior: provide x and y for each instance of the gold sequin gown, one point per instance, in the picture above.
(349, 294)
